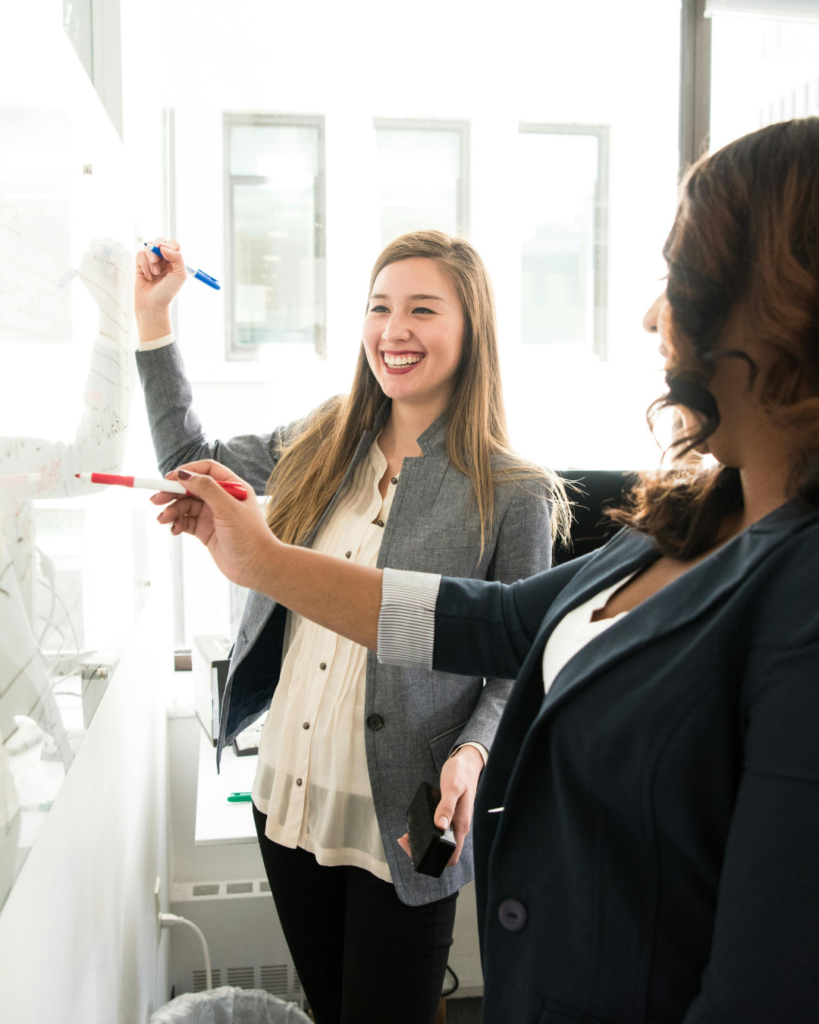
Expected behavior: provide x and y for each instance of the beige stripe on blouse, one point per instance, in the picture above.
(312, 780)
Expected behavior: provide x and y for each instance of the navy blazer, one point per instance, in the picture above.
(656, 858)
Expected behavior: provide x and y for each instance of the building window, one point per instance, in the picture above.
(423, 175)
(563, 203)
(275, 267)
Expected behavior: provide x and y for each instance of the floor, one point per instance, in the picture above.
(463, 1011)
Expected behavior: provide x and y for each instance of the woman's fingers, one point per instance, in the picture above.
(403, 842)
(206, 487)
(178, 508)
(171, 255)
(142, 265)
(207, 467)
(163, 497)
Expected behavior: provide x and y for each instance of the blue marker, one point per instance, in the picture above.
(200, 275)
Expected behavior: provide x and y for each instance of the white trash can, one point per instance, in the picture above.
(228, 1005)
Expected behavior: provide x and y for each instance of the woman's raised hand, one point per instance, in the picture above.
(234, 532)
(157, 284)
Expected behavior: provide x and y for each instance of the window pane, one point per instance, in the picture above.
(763, 70)
(285, 154)
(420, 179)
(557, 178)
(274, 181)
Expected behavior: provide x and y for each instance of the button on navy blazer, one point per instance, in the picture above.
(657, 855)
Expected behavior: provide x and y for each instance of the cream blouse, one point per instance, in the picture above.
(575, 630)
(312, 780)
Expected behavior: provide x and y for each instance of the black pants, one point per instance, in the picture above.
(362, 955)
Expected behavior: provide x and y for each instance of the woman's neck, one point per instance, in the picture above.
(405, 425)
(764, 488)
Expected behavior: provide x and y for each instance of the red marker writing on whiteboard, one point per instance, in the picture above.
(238, 491)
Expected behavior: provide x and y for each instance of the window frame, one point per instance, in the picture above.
(248, 353)
(435, 125)
(600, 225)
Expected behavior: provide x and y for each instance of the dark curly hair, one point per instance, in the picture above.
(747, 229)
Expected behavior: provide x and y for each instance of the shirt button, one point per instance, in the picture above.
(323, 666)
(380, 522)
(512, 915)
(298, 782)
(306, 725)
(349, 554)
(394, 480)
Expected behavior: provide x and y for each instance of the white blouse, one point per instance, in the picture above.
(312, 780)
(575, 630)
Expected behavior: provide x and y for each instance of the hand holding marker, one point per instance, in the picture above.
(200, 275)
(238, 491)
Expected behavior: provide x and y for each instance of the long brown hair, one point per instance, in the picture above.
(313, 462)
(746, 230)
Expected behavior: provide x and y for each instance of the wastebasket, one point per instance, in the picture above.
(228, 1005)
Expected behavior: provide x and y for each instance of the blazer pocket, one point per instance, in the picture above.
(441, 744)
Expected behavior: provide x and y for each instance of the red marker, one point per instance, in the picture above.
(238, 491)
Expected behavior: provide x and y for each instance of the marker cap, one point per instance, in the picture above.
(200, 275)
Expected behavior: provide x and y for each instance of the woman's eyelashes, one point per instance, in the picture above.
(418, 309)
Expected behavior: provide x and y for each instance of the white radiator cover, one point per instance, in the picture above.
(247, 947)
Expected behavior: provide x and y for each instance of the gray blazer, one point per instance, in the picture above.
(414, 717)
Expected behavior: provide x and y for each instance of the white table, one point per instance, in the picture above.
(218, 822)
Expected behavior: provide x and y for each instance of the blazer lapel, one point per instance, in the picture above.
(625, 554)
(687, 598)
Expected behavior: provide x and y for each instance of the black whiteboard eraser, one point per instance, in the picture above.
(431, 847)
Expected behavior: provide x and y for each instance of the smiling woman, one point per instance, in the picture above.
(412, 470)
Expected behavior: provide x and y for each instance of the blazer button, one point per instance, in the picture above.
(512, 915)
(375, 722)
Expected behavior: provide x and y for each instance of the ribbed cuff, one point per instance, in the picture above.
(478, 746)
(149, 346)
(406, 625)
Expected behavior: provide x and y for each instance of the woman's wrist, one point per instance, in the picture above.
(153, 324)
(471, 756)
(268, 571)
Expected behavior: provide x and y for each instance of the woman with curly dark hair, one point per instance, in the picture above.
(647, 828)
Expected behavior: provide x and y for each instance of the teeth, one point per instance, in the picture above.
(401, 360)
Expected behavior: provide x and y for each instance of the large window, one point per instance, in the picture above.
(423, 176)
(275, 228)
(764, 67)
(563, 202)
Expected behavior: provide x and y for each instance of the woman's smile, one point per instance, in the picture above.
(401, 362)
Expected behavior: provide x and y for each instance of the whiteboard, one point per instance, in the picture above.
(72, 562)
(35, 173)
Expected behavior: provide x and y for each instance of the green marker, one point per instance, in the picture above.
(239, 798)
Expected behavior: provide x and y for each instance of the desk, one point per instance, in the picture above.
(219, 823)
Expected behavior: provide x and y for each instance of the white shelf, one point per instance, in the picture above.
(219, 823)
